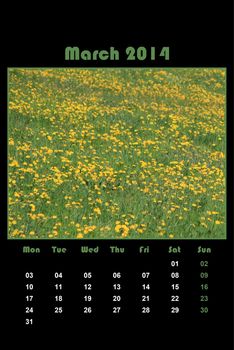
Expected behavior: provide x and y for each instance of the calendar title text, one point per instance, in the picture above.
(131, 53)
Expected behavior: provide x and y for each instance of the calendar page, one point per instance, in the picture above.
(117, 181)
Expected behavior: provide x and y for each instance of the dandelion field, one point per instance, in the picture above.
(116, 153)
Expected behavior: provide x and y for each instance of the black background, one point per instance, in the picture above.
(197, 36)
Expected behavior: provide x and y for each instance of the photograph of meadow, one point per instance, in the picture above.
(116, 153)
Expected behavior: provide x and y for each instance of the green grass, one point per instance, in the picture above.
(120, 153)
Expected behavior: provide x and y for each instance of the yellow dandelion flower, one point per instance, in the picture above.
(16, 232)
(118, 227)
(143, 164)
(97, 210)
(146, 190)
(124, 229)
(140, 230)
(124, 234)
(162, 232)
(14, 163)
(33, 207)
(133, 226)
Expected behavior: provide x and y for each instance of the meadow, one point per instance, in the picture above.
(122, 153)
